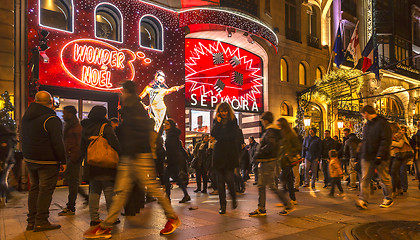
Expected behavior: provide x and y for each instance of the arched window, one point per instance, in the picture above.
(151, 33)
(390, 108)
(108, 22)
(284, 77)
(318, 73)
(302, 74)
(56, 14)
(285, 110)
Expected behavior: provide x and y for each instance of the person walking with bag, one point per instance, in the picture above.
(175, 159)
(136, 164)
(290, 148)
(267, 155)
(225, 153)
(101, 179)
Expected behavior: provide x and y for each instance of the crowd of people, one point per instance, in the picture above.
(140, 165)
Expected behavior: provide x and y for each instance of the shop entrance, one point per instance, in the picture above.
(84, 100)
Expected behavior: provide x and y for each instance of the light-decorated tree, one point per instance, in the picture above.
(5, 111)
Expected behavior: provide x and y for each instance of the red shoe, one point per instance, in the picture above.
(98, 232)
(170, 226)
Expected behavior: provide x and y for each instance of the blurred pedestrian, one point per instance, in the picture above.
(375, 154)
(176, 162)
(7, 161)
(202, 163)
(136, 164)
(311, 151)
(252, 149)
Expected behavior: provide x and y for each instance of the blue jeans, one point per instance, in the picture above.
(141, 169)
(311, 165)
(266, 178)
(43, 179)
(368, 168)
(96, 187)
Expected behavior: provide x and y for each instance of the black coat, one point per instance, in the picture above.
(92, 128)
(226, 149)
(175, 157)
(270, 144)
(377, 139)
(327, 145)
(312, 148)
(42, 142)
(135, 128)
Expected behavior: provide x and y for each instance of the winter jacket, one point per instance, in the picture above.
(135, 128)
(72, 138)
(228, 142)
(203, 161)
(335, 168)
(41, 136)
(350, 147)
(327, 145)
(311, 148)
(290, 147)
(269, 147)
(174, 151)
(92, 128)
(377, 138)
(252, 149)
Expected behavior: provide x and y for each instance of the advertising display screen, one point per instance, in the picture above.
(200, 121)
(220, 72)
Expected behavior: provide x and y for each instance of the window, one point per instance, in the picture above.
(268, 7)
(402, 50)
(284, 71)
(312, 22)
(302, 74)
(108, 22)
(151, 33)
(318, 73)
(56, 14)
(290, 14)
(285, 110)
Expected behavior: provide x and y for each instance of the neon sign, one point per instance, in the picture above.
(99, 64)
(219, 72)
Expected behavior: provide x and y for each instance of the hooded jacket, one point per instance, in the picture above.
(269, 147)
(41, 136)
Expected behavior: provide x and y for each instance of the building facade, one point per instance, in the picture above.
(255, 54)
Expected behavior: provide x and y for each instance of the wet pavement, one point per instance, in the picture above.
(317, 216)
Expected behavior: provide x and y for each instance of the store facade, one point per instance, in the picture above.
(184, 61)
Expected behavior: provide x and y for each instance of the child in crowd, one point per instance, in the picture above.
(336, 172)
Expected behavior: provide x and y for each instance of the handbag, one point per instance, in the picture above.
(100, 153)
(286, 160)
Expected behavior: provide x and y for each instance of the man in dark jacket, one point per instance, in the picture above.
(327, 144)
(267, 156)
(311, 151)
(72, 137)
(43, 151)
(136, 164)
(375, 154)
(252, 149)
(350, 152)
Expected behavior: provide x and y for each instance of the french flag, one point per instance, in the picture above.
(368, 55)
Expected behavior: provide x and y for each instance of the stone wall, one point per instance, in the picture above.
(7, 46)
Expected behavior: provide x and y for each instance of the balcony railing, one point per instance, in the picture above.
(313, 41)
(293, 34)
(248, 6)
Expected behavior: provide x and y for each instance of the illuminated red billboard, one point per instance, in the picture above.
(197, 3)
(220, 72)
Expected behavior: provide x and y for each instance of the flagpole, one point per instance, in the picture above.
(355, 64)
(332, 50)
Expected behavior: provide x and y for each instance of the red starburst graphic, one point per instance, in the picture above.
(216, 71)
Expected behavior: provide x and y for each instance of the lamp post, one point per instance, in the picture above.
(306, 123)
(340, 125)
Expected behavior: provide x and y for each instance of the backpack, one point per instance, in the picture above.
(100, 153)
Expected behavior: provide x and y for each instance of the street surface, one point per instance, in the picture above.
(316, 217)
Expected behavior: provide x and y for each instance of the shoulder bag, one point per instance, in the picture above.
(100, 153)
